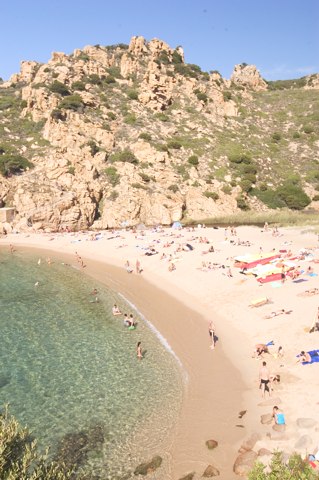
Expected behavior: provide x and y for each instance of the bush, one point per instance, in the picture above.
(114, 72)
(60, 88)
(193, 160)
(226, 189)
(19, 458)
(239, 157)
(295, 469)
(315, 198)
(94, 79)
(112, 175)
(13, 164)
(124, 156)
(130, 119)
(276, 137)
(145, 136)
(201, 96)
(226, 95)
(173, 188)
(174, 144)
(94, 149)
(308, 129)
(296, 135)
(212, 195)
(293, 196)
(72, 102)
(111, 115)
(56, 114)
(162, 117)
(241, 203)
(246, 185)
(132, 94)
(146, 178)
(110, 79)
(80, 86)
(176, 57)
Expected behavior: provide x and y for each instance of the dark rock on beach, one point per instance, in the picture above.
(266, 419)
(149, 467)
(211, 471)
(211, 444)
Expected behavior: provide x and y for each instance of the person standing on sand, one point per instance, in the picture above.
(211, 331)
(138, 266)
(264, 378)
(139, 352)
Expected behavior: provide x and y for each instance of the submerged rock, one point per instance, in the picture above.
(211, 444)
(211, 471)
(149, 467)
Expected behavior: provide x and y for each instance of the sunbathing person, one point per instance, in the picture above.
(304, 357)
(275, 314)
(260, 348)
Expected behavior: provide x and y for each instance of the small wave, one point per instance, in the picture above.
(161, 338)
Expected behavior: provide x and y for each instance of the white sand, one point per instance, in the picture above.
(222, 381)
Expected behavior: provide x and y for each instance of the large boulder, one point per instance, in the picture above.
(211, 471)
(244, 463)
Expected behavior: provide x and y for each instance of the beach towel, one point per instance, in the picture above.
(270, 343)
(314, 357)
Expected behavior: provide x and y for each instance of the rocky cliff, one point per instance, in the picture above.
(130, 134)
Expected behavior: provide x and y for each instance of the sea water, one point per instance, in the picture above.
(69, 370)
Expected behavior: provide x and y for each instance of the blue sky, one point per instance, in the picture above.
(280, 37)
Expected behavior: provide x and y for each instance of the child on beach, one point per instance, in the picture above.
(139, 352)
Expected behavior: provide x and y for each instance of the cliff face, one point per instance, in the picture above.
(127, 133)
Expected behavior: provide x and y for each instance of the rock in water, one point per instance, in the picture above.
(149, 467)
(211, 444)
(211, 471)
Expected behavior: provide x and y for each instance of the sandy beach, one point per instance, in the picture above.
(180, 295)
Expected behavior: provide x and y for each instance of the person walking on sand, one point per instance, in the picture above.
(264, 378)
(139, 352)
(138, 266)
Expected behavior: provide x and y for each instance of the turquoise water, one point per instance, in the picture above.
(68, 367)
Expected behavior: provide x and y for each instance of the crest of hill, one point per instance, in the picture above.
(132, 133)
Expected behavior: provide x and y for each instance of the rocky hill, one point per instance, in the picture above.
(129, 134)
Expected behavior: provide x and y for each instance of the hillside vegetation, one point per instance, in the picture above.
(132, 133)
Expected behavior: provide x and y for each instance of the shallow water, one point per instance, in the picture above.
(68, 366)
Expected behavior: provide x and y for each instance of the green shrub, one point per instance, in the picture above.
(241, 203)
(276, 137)
(132, 94)
(173, 188)
(80, 86)
(112, 175)
(227, 189)
(111, 115)
(146, 178)
(308, 129)
(239, 157)
(174, 144)
(13, 164)
(72, 102)
(187, 70)
(293, 196)
(177, 58)
(139, 185)
(94, 149)
(109, 79)
(296, 135)
(246, 185)
(71, 170)
(162, 117)
(60, 88)
(124, 156)
(56, 114)
(83, 56)
(193, 160)
(130, 119)
(315, 198)
(114, 72)
(295, 469)
(113, 196)
(145, 136)
(20, 459)
(201, 96)
(23, 104)
(212, 195)
(94, 79)
(227, 95)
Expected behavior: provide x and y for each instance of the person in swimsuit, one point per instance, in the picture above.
(211, 331)
(139, 352)
(264, 378)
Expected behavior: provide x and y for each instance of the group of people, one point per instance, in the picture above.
(129, 322)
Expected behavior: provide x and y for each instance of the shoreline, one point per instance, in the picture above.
(223, 381)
